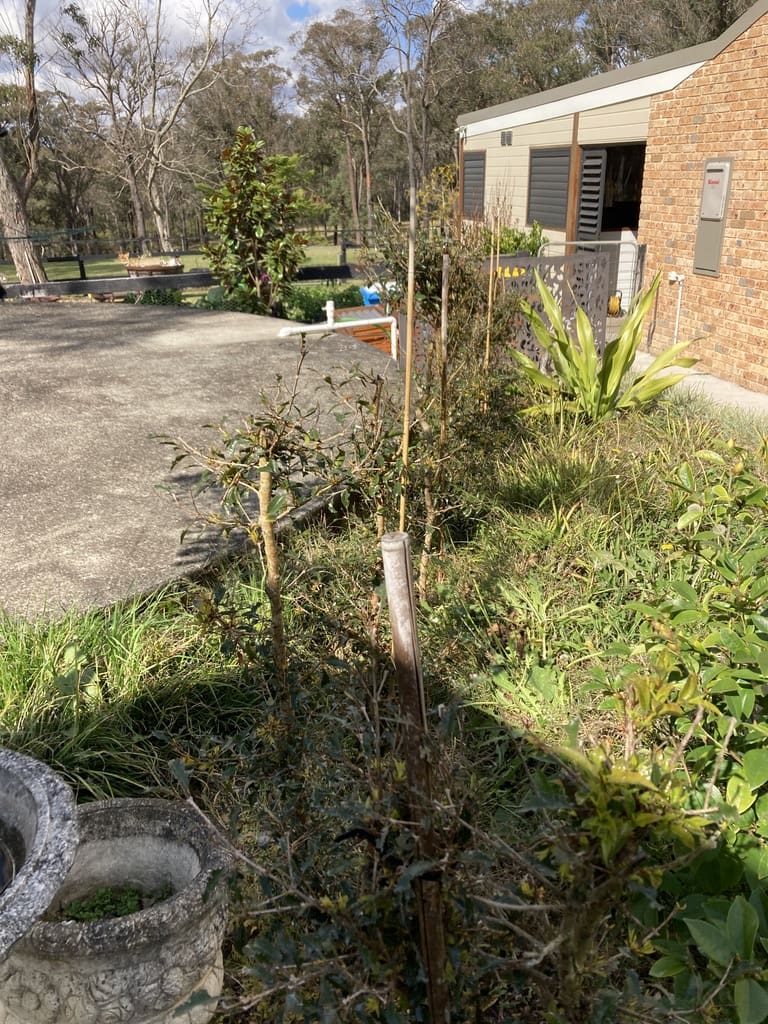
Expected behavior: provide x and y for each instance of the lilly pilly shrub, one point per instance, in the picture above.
(696, 703)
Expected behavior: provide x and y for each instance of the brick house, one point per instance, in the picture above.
(666, 162)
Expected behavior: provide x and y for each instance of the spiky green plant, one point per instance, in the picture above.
(583, 382)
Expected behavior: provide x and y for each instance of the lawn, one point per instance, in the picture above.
(316, 255)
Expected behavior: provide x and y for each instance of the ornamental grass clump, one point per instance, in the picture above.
(584, 383)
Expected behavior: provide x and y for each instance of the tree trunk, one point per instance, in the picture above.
(140, 226)
(367, 167)
(159, 207)
(355, 206)
(160, 218)
(29, 267)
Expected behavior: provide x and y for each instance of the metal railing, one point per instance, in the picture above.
(626, 261)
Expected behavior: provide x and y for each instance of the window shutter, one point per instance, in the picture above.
(591, 193)
(548, 187)
(473, 191)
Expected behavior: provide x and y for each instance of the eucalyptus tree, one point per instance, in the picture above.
(315, 135)
(341, 66)
(19, 138)
(528, 46)
(677, 23)
(412, 29)
(141, 71)
(68, 169)
(417, 34)
(246, 90)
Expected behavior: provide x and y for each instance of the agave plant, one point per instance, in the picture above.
(585, 383)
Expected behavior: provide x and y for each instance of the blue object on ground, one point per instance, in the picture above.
(371, 296)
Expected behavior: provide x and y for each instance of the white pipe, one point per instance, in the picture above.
(677, 279)
(327, 327)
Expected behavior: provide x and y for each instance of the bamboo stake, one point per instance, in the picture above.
(444, 350)
(434, 487)
(395, 548)
(495, 247)
(273, 583)
(410, 304)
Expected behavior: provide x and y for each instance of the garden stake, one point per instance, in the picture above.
(273, 583)
(395, 549)
(492, 272)
(444, 351)
(434, 479)
(410, 303)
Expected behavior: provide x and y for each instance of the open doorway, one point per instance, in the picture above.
(610, 189)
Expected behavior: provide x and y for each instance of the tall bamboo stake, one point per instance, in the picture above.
(410, 304)
(495, 247)
(444, 350)
(273, 584)
(434, 478)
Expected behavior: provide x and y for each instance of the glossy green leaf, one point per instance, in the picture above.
(667, 967)
(755, 767)
(739, 793)
(751, 1001)
(711, 940)
(741, 925)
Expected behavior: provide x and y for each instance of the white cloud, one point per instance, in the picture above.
(274, 26)
(280, 21)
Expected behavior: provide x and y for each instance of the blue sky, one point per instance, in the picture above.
(279, 22)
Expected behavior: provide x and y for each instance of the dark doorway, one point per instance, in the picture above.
(610, 189)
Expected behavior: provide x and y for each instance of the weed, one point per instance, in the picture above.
(108, 902)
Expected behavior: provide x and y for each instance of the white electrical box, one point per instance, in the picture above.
(715, 189)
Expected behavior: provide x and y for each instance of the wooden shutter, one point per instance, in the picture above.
(591, 193)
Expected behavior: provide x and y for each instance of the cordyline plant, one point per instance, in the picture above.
(583, 382)
(253, 214)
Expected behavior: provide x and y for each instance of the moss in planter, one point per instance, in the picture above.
(111, 901)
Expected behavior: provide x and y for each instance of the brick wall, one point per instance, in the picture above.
(720, 111)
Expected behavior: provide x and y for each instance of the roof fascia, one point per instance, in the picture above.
(597, 97)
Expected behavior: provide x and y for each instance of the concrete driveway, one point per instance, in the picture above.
(83, 389)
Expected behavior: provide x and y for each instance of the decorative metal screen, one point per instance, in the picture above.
(580, 279)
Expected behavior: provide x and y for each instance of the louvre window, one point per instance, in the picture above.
(548, 187)
(473, 192)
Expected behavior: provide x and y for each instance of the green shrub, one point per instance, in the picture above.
(306, 303)
(253, 215)
(693, 699)
(514, 240)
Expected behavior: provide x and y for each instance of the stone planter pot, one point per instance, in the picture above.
(38, 838)
(139, 968)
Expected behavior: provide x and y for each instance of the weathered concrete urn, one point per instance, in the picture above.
(142, 967)
(38, 837)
